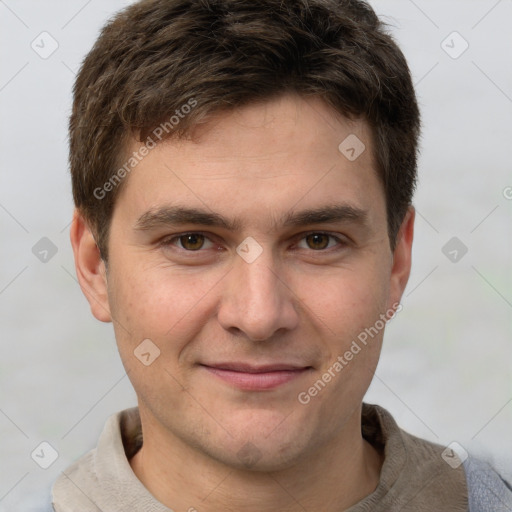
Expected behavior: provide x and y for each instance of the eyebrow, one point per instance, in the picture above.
(177, 215)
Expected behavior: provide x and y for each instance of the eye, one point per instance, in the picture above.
(319, 241)
(189, 242)
(198, 242)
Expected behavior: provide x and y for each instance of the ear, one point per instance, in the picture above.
(402, 258)
(90, 268)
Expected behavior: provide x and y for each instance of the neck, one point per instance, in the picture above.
(340, 474)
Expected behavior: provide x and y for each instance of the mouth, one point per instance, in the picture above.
(256, 377)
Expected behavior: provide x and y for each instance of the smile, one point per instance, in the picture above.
(250, 378)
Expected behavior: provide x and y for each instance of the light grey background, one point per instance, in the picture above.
(446, 369)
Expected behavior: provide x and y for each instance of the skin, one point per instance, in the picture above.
(302, 301)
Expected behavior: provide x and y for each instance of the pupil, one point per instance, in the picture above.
(318, 241)
(192, 242)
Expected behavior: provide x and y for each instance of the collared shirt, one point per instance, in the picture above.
(416, 475)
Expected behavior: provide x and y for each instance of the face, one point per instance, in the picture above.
(253, 257)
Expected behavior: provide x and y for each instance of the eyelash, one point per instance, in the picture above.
(167, 242)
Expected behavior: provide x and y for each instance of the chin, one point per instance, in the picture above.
(252, 457)
(264, 446)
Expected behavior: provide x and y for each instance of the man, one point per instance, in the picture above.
(243, 173)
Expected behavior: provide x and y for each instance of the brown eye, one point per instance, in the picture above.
(192, 241)
(318, 241)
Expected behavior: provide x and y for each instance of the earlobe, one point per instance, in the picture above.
(90, 268)
(402, 257)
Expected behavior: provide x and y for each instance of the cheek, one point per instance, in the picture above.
(349, 306)
(161, 304)
(346, 300)
(347, 309)
(169, 310)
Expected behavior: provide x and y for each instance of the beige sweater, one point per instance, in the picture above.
(414, 476)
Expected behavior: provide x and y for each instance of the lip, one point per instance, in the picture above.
(256, 377)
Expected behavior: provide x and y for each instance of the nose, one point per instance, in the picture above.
(256, 300)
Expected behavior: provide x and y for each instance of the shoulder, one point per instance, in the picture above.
(475, 484)
(486, 489)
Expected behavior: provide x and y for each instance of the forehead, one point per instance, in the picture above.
(281, 128)
(272, 156)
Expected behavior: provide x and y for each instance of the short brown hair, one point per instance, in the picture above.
(157, 56)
